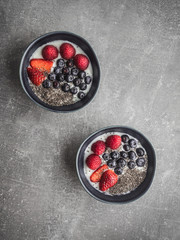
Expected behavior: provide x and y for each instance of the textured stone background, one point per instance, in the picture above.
(138, 47)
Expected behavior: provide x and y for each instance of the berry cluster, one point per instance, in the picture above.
(67, 76)
(69, 73)
(131, 157)
(116, 160)
(102, 174)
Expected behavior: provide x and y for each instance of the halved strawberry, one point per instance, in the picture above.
(36, 76)
(96, 175)
(108, 179)
(41, 64)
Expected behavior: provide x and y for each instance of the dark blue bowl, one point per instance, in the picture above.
(66, 36)
(133, 195)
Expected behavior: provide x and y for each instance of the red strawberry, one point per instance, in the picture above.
(49, 52)
(108, 179)
(81, 61)
(98, 147)
(36, 76)
(41, 64)
(113, 141)
(96, 176)
(67, 51)
(93, 161)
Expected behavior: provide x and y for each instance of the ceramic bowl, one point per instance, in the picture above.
(133, 195)
(66, 36)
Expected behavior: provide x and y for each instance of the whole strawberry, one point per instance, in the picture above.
(67, 51)
(108, 179)
(96, 175)
(113, 141)
(49, 52)
(81, 61)
(36, 76)
(98, 147)
(93, 161)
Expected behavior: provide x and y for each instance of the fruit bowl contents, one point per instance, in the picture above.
(115, 163)
(60, 73)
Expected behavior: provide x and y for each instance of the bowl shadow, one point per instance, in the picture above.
(14, 56)
(64, 165)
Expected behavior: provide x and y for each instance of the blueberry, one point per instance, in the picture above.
(70, 63)
(46, 83)
(105, 156)
(82, 74)
(126, 147)
(69, 78)
(77, 82)
(140, 152)
(131, 164)
(124, 154)
(65, 87)
(140, 162)
(74, 71)
(60, 63)
(52, 76)
(111, 163)
(114, 155)
(56, 84)
(57, 70)
(125, 138)
(81, 95)
(118, 170)
(121, 163)
(83, 86)
(132, 143)
(132, 155)
(66, 70)
(60, 77)
(73, 90)
(88, 80)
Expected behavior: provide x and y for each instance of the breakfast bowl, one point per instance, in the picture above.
(48, 93)
(120, 154)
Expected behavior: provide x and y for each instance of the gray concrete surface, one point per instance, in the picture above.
(138, 47)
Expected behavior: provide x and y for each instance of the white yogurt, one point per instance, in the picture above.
(103, 137)
(57, 43)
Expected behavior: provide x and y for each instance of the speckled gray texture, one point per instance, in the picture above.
(138, 47)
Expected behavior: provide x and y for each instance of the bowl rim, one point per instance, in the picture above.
(21, 67)
(106, 201)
